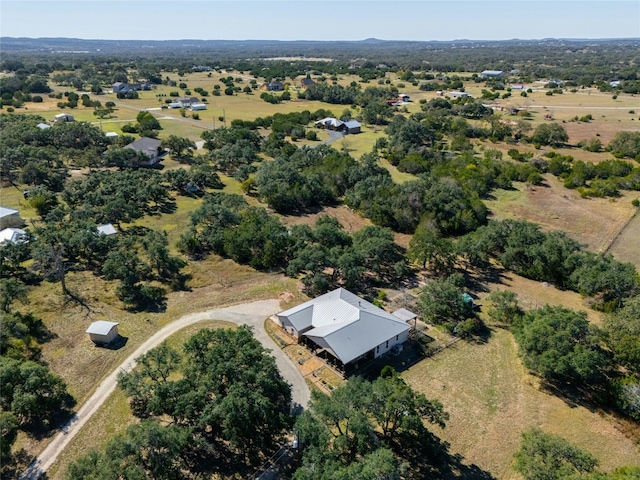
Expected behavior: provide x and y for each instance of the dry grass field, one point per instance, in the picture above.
(594, 222)
(491, 400)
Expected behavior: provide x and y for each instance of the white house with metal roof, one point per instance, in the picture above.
(345, 325)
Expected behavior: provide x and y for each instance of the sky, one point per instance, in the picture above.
(320, 19)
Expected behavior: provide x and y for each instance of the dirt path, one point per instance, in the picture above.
(252, 314)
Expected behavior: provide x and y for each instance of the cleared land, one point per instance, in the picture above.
(594, 222)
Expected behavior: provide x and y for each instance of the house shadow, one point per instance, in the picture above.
(116, 344)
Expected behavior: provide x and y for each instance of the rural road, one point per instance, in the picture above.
(252, 314)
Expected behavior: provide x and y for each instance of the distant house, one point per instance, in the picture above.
(12, 235)
(103, 332)
(187, 101)
(614, 84)
(43, 126)
(198, 106)
(201, 68)
(307, 82)
(459, 95)
(403, 97)
(352, 126)
(122, 87)
(64, 117)
(107, 229)
(150, 147)
(10, 218)
(492, 74)
(111, 135)
(330, 123)
(345, 326)
(273, 86)
(517, 86)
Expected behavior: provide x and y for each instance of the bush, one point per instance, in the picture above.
(36, 99)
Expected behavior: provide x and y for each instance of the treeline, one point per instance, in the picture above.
(553, 257)
(603, 60)
(326, 256)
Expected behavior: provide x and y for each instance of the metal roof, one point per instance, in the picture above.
(344, 323)
(352, 124)
(107, 229)
(13, 235)
(404, 314)
(334, 122)
(101, 327)
(5, 212)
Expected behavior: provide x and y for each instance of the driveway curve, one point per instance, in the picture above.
(252, 314)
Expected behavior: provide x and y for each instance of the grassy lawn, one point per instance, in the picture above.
(492, 399)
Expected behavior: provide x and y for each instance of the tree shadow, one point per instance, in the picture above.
(430, 458)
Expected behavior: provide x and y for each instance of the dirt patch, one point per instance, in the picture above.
(351, 220)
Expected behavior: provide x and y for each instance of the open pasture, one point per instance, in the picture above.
(491, 400)
(594, 222)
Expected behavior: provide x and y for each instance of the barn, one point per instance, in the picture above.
(103, 332)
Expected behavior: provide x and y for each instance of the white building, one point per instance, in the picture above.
(64, 117)
(346, 326)
(13, 235)
(10, 218)
(103, 332)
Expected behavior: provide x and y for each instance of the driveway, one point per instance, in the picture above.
(252, 314)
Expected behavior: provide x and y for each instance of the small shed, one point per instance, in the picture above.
(43, 126)
(64, 117)
(103, 332)
(352, 126)
(406, 315)
(10, 218)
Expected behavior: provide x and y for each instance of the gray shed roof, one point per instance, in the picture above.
(101, 327)
(404, 314)
(5, 212)
(352, 124)
(344, 323)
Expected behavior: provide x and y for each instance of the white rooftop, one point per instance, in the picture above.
(107, 229)
(101, 327)
(5, 212)
(344, 323)
(334, 122)
(13, 235)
